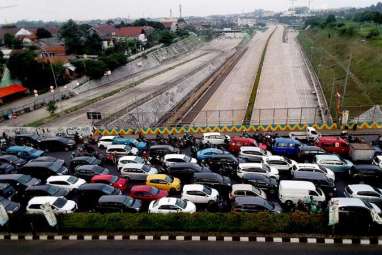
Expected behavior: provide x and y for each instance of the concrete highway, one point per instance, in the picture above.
(176, 248)
(232, 96)
(284, 83)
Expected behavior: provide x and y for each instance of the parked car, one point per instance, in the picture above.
(291, 192)
(361, 152)
(286, 147)
(164, 182)
(129, 160)
(44, 190)
(87, 172)
(378, 161)
(314, 168)
(60, 205)
(49, 159)
(213, 180)
(319, 179)
(177, 158)
(13, 160)
(19, 181)
(364, 192)
(185, 171)
(44, 169)
(364, 172)
(32, 140)
(24, 152)
(208, 152)
(147, 193)
(90, 193)
(112, 180)
(57, 144)
(118, 203)
(172, 205)
(282, 164)
(251, 153)
(119, 150)
(333, 144)
(254, 204)
(224, 164)
(215, 138)
(309, 135)
(159, 151)
(263, 169)
(237, 142)
(7, 191)
(6, 168)
(67, 182)
(333, 162)
(261, 181)
(83, 160)
(242, 190)
(137, 172)
(10, 207)
(105, 141)
(199, 194)
(308, 152)
(131, 142)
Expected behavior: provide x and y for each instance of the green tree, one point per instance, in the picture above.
(331, 19)
(51, 107)
(95, 69)
(43, 33)
(72, 36)
(166, 37)
(11, 42)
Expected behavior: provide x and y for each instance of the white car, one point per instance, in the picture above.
(259, 168)
(378, 161)
(178, 158)
(105, 141)
(67, 182)
(138, 172)
(60, 205)
(315, 168)
(123, 161)
(253, 152)
(199, 194)
(172, 205)
(364, 192)
(121, 150)
(215, 138)
(282, 164)
(243, 190)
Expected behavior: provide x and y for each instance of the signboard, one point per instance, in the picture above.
(334, 217)
(94, 115)
(49, 215)
(3, 215)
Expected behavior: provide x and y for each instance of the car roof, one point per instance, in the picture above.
(20, 148)
(250, 148)
(361, 187)
(297, 185)
(309, 175)
(167, 201)
(45, 164)
(43, 200)
(59, 178)
(211, 133)
(112, 198)
(331, 139)
(307, 165)
(93, 186)
(107, 137)
(156, 176)
(327, 157)
(171, 156)
(86, 158)
(10, 176)
(346, 201)
(89, 167)
(287, 140)
(39, 187)
(275, 157)
(367, 167)
(210, 150)
(117, 146)
(250, 165)
(193, 187)
(140, 188)
(256, 200)
(128, 158)
(99, 177)
(133, 165)
(246, 187)
(162, 146)
(45, 159)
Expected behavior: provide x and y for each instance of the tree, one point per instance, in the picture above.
(71, 34)
(166, 37)
(11, 42)
(331, 19)
(43, 33)
(95, 69)
(51, 107)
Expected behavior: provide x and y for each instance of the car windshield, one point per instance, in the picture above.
(207, 190)
(60, 202)
(169, 179)
(269, 205)
(53, 190)
(187, 158)
(128, 201)
(154, 191)
(181, 203)
(25, 179)
(256, 191)
(57, 166)
(146, 168)
(266, 168)
(323, 169)
(72, 179)
(114, 179)
(92, 161)
(107, 189)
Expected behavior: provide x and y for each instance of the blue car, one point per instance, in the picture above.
(25, 152)
(206, 153)
(286, 147)
(131, 142)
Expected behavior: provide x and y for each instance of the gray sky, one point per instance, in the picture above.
(103, 9)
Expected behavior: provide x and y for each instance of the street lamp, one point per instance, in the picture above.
(52, 91)
(35, 92)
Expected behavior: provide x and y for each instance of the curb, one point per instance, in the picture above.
(254, 239)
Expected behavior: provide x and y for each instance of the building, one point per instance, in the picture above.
(246, 22)
(10, 89)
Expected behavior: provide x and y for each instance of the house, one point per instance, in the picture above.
(53, 50)
(132, 32)
(23, 34)
(12, 30)
(171, 25)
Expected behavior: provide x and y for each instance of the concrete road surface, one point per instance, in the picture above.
(176, 248)
(231, 98)
(284, 84)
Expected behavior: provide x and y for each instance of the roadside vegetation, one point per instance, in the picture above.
(333, 44)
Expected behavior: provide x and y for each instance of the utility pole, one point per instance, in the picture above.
(180, 11)
(346, 81)
(292, 3)
(332, 92)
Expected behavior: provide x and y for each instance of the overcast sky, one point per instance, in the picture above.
(103, 9)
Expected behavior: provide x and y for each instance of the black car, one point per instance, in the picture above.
(254, 204)
(57, 144)
(365, 172)
(7, 191)
(44, 169)
(6, 168)
(19, 181)
(11, 207)
(307, 153)
(44, 190)
(185, 171)
(86, 172)
(261, 181)
(158, 151)
(90, 193)
(213, 180)
(32, 140)
(319, 179)
(13, 160)
(83, 160)
(47, 159)
(118, 203)
(224, 164)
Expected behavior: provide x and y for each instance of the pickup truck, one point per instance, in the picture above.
(310, 134)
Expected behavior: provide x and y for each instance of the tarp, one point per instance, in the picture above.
(11, 90)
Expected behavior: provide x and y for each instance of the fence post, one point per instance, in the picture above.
(233, 119)
(219, 117)
(301, 115)
(287, 116)
(259, 116)
(273, 116)
(206, 119)
(315, 115)
(375, 107)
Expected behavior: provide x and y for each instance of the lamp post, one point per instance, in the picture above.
(35, 92)
(51, 66)
(52, 91)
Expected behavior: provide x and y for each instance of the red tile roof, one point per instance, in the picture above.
(130, 31)
(11, 90)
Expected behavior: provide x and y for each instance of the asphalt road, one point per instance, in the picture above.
(174, 247)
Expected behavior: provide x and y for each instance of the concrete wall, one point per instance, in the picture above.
(12, 131)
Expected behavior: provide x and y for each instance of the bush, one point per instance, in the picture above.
(95, 69)
(372, 33)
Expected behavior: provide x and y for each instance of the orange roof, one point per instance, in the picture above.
(11, 90)
(129, 31)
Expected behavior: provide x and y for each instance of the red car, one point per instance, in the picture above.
(115, 181)
(147, 193)
(333, 144)
(238, 141)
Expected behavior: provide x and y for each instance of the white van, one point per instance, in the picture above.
(105, 141)
(290, 192)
